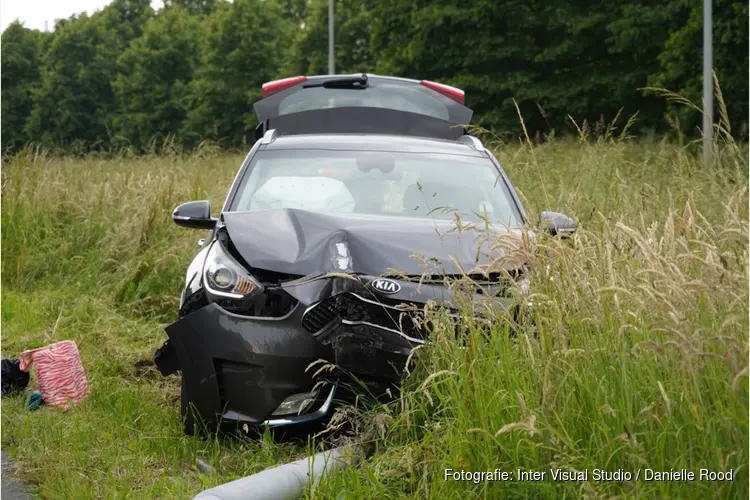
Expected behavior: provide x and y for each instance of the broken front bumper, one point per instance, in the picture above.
(241, 368)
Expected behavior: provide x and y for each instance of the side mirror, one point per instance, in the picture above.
(194, 214)
(557, 223)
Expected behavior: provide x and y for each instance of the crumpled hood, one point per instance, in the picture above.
(302, 242)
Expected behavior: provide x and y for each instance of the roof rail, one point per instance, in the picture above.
(269, 136)
(472, 141)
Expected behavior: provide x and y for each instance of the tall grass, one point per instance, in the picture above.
(89, 253)
(637, 357)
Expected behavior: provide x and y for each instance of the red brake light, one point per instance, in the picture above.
(448, 91)
(271, 88)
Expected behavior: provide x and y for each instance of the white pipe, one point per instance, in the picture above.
(286, 481)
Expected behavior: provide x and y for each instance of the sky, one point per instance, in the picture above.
(33, 13)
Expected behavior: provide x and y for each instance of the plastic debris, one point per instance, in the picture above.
(35, 401)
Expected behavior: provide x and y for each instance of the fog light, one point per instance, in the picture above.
(296, 403)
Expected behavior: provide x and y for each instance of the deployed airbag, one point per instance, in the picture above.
(306, 193)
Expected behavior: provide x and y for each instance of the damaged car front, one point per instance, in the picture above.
(331, 245)
(315, 257)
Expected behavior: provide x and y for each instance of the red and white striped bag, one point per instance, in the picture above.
(59, 371)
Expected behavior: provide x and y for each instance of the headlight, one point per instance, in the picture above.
(225, 278)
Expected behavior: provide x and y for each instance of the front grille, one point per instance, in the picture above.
(405, 318)
(319, 316)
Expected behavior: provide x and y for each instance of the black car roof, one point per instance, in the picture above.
(372, 142)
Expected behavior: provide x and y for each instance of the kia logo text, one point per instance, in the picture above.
(386, 286)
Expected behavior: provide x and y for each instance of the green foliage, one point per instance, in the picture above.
(243, 46)
(21, 60)
(75, 101)
(194, 68)
(195, 7)
(155, 72)
(352, 39)
(127, 18)
(681, 59)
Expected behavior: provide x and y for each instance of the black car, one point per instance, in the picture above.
(329, 244)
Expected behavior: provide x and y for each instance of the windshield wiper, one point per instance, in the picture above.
(351, 82)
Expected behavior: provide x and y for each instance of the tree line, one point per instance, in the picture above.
(129, 75)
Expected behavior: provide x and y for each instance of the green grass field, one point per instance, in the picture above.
(638, 359)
